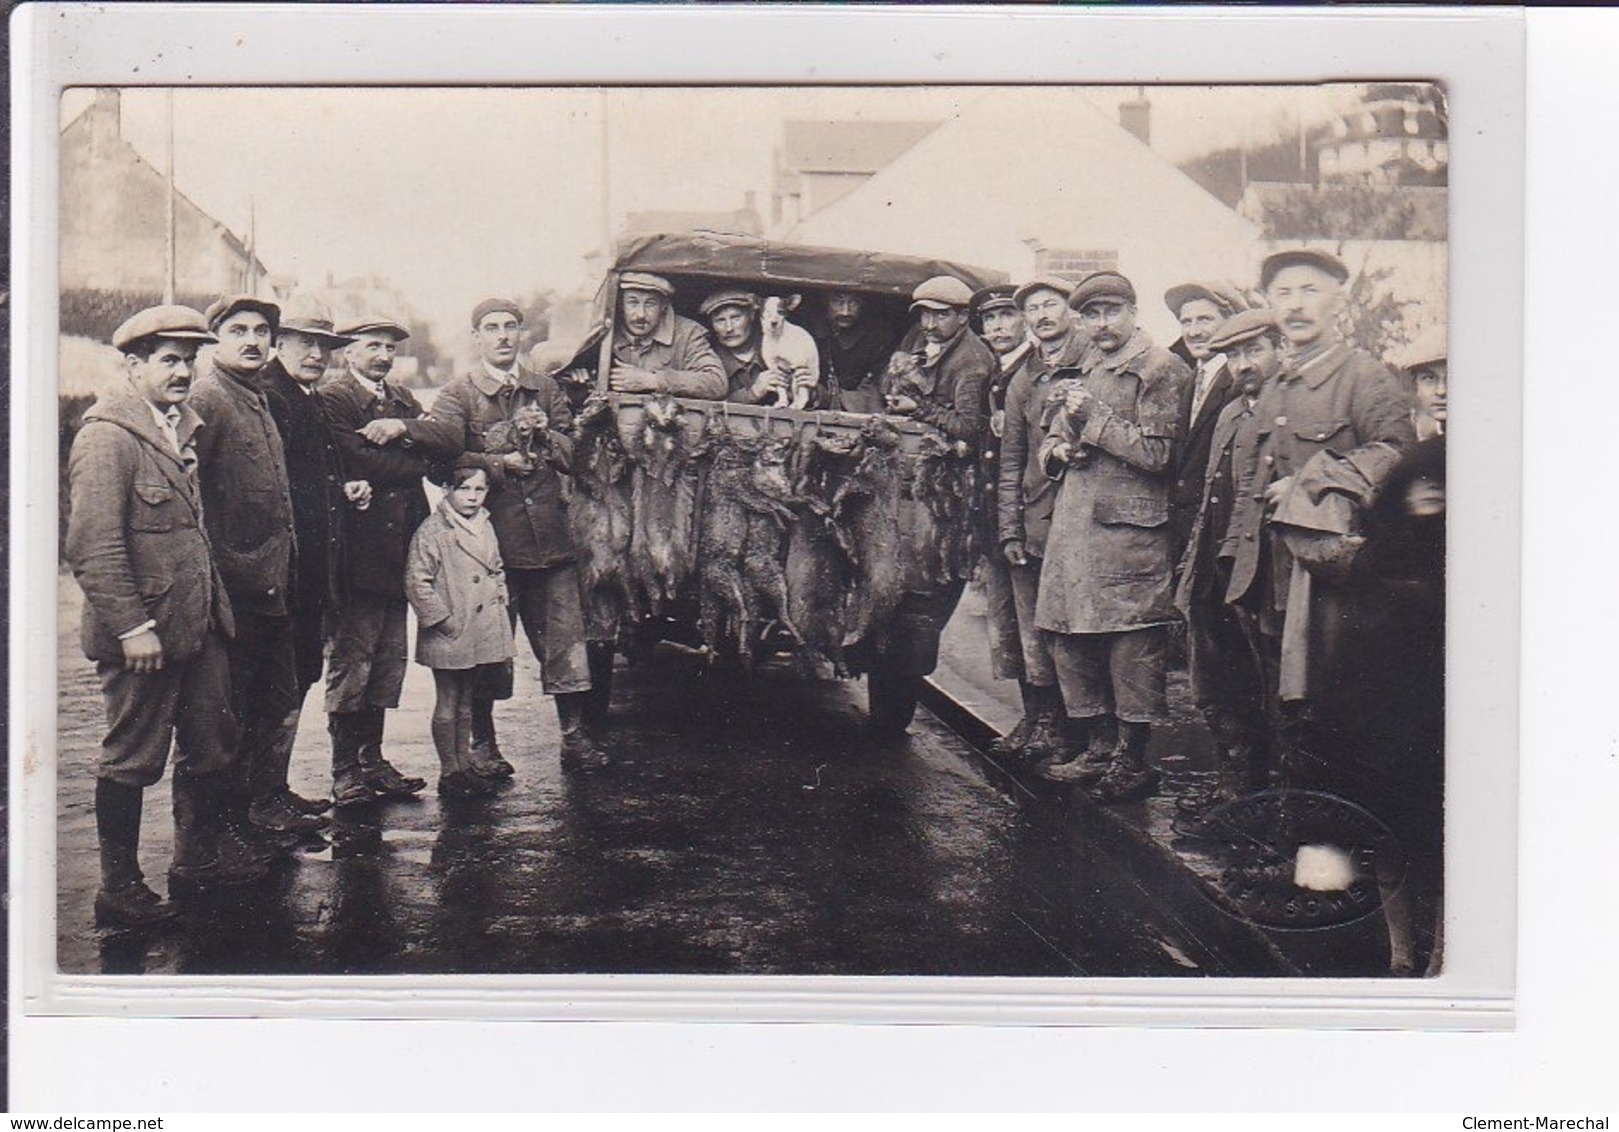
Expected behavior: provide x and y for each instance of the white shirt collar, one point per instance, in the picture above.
(504, 376)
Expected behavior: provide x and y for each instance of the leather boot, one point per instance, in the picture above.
(487, 760)
(1067, 763)
(456, 776)
(578, 751)
(598, 699)
(124, 901)
(1012, 742)
(380, 774)
(349, 787)
(1129, 779)
(1045, 742)
(202, 858)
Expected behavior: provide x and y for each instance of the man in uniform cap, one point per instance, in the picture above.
(303, 347)
(733, 318)
(515, 424)
(1231, 663)
(247, 511)
(657, 351)
(1105, 589)
(366, 661)
(159, 649)
(1023, 499)
(943, 367)
(1200, 308)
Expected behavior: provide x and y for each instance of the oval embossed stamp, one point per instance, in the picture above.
(1306, 860)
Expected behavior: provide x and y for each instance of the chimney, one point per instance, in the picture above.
(1135, 115)
(106, 121)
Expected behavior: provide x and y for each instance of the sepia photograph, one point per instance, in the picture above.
(918, 530)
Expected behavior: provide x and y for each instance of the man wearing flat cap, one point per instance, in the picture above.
(366, 661)
(938, 377)
(320, 496)
(657, 351)
(515, 424)
(247, 512)
(1200, 308)
(733, 318)
(1231, 663)
(1426, 369)
(1025, 497)
(155, 620)
(1105, 588)
(1330, 396)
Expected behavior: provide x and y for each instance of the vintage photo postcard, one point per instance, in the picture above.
(524, 535)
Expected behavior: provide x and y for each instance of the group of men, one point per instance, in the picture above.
(237, 538)
(238, 535)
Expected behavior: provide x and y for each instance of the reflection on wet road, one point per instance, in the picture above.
(746, 827)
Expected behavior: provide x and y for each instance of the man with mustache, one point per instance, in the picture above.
(247, 512)
(657, 351)
(1200, 308)
(945, 385)
(155, 620)
(855, 344)
(303, 347)
(365, 673)
(1231, 664)
(1105, 593)
(514, 424)
(1024, 498)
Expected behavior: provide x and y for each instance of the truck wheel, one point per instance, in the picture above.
(891, 701)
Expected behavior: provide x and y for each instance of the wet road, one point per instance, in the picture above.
(746, 828)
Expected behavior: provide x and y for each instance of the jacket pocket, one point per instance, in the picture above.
(1320, 432)
(1131, 511)
(252, 520)
(153, 513)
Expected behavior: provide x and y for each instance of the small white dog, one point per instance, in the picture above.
(789, 349)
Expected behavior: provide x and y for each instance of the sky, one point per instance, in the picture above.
(452, 194)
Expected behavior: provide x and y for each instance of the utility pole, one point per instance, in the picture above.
(607, 177)
(252, 249)
(169, 252)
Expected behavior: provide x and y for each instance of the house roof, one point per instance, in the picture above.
(847, 147)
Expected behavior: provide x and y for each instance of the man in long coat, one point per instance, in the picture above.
(1024, 497)
(247, 511)
(303, 347)
(155, 619)
(514, 424)
(1229, 662)
(1105, 589)
(369, 652)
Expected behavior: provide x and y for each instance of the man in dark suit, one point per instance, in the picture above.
(369, 652)
(303, 349)
(155, 620)
(1200, 308)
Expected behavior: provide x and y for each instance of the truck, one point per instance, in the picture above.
(837, 541)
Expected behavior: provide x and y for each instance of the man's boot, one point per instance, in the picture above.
(598, 699)
(382, 775)
(1066, 764)
(578, 751)
(487, 761)
(239, 833)
(202, 858)
(1011, 744)
(1129, 779)
(1045, 742)
(123, 900)
(349, 787)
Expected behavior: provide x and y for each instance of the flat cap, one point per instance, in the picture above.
(1305, 257)
(305, 314)
(371, 324)
(730, 297)
(646, 281)
(942, 292)
(164, 322)
(1063, 287)
(1428, 347)
(489, 306)
(225, 306)
(1102, 285)
(1221, 295)
(1241, 327)
(997, 296)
